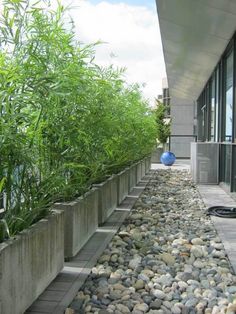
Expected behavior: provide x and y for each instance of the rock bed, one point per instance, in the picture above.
(166, 258)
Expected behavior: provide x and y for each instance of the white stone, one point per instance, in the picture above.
(159, 294)
(179, 242)
(197, 241)
(176, 310)
(198, 251)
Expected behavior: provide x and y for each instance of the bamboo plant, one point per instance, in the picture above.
(65, 122)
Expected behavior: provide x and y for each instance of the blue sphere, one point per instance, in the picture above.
(168, 158)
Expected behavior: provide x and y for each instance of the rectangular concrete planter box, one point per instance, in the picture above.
(205, 162)
(29, 262)
(122, 185)
(156, 155)
(139, 171)
(107, 198)
(81, 221)
(143, 164)
(132, 176)
(147, 164)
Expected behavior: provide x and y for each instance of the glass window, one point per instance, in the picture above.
(199, 119)
(228, 98)
(217, 104)
(212, 112)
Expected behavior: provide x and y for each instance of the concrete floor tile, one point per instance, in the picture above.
(49, 295)
(225, 227)
(136, 191)
(59, 286)
(128, 202)
(43, 306)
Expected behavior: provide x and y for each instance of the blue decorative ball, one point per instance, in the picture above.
(168, 158)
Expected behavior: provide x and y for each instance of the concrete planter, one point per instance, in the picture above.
(107, 198)
(205, 162)
(143, 165)
(122, 185)
(139, 171)
(147, 164)
(29, 262)
(81, 221)
(156, 155)
(132, 176)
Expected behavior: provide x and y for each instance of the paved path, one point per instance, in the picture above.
(214, 195)
(61, 292)
(180, 164)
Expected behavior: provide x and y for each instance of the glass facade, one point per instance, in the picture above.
(216, 111)
(228, 107)
(213, 107)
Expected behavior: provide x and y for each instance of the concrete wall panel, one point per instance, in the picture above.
(29, 262)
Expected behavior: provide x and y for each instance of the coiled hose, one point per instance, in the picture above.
(222, 211)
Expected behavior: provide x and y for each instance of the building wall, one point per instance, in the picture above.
(182, 129)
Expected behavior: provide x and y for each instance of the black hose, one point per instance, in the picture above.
(222, 211)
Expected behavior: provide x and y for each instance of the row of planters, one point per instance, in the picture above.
(66, 124)
(83, 215)
(37, 254)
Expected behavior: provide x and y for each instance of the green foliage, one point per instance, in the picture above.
(162, 125)
(65, 122)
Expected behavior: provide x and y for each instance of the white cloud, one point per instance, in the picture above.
(131, 34)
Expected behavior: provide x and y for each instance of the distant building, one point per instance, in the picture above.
(164, 98)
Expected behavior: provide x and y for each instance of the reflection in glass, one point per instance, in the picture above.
(226, 162)
(217, 104)
(229, 98)
(213, 108)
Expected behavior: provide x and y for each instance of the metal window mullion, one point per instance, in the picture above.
(232, 166)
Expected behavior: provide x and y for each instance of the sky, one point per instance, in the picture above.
(130, 34)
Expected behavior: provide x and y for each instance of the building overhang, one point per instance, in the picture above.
(194, 35)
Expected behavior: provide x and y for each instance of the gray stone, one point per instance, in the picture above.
(122, 308)
(191, 302)
(139, 284)
(142, 307)
(231, 289)
(115, 295)
(135, 262)
(167, 258)
(155, 305)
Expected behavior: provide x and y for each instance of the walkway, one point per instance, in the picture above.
(213, 195)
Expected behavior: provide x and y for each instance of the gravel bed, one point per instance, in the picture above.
(166, 258)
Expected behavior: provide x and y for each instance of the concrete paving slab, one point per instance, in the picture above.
(51, 296)
(43, 306)
(128, 203)
(34, 312)
(142, 184)
(180, 164)
(59, 285)
(136, 191)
